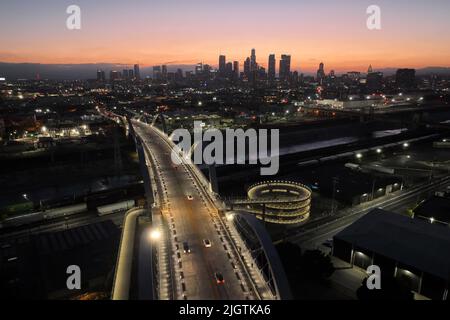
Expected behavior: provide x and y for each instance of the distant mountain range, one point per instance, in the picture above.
(88, 71)
(71, 71)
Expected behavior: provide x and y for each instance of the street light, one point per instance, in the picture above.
(379, 150)
(155, 234)
(406, 145)
(359, 155)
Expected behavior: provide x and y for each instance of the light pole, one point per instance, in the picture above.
(373, 188)
(333, 205)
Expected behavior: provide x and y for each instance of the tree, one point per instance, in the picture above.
(317, 265)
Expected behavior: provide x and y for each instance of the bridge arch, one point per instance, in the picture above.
(263, 252)
(160, 116)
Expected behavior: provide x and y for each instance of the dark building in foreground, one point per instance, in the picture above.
(413, 250)
(406, 79)
(374, 82)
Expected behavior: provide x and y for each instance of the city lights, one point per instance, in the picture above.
(234, 151)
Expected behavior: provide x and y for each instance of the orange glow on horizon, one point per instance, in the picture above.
(187, 32)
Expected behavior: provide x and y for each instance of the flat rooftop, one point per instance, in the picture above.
(413, 242)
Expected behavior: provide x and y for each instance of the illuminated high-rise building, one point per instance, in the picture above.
(222, 65)
(229, 69)
(137, 72)
(271, 71)
(125, 74)
(236, 69)
(321, 73)
(101, 75)
(164, 72)
(285, 67)
(247, 67)
(156, 72)
(114, 75)
(199, 68)
(253, 64)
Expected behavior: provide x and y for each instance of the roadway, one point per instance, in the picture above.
(192, 221)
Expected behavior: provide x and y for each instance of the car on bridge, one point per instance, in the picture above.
(186, 247)
(219, 278)
(207, 243)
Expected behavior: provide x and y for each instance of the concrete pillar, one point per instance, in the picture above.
(213, 184)
(146, 177)
(419, 291)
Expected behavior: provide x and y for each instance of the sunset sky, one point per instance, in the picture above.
(415, 33)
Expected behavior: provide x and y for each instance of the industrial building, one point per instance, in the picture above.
(414, 251)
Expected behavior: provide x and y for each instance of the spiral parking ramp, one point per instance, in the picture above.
(279, 202)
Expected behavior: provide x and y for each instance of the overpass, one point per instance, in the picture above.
(186, 212)
(418, 114)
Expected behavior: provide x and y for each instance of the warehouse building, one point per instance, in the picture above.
(412, 250)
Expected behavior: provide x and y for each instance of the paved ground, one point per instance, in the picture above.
(192, 221)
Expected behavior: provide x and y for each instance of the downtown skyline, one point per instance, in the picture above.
(171, 33)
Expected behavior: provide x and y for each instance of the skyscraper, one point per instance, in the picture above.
(229, 69)
(156, 72)
(236, 69)
(137, 72)
(125, 74)
(321, 73)
(164, 72)
(222, 65)
(271, 70)
(114, 75)
(179, 74)
(100, 75)
(199, 68)
(247, 68)
(285, 67)
(253, 64)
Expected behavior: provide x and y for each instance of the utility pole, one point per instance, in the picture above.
(333, 202)
(373, 189)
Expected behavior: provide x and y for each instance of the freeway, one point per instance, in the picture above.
(312, 235)
(192, 219)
